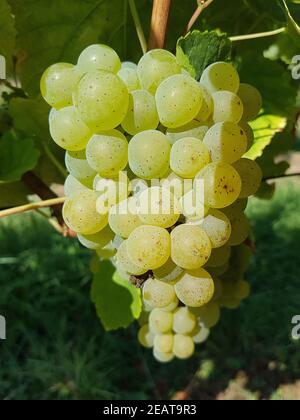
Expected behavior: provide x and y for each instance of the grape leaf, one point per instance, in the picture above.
(118, 303)
(7, 32)
(197, 50)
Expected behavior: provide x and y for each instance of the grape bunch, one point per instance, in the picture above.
(158, 183)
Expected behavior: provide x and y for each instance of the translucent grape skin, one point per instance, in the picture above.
(97, 240)
(193, 129)
(160, 322)
(228, 107)
(219, 256)
(99, 57)
(123, 217)
(79, 168)
(145, 336)
(124, 262)
(72, 185)
(240, 229)
(184, 321)
(209, 315)
(249, 133)
(201, 334)
(169, 272)
(162, 357)
(251, 176)
(163, 343)
(217, 227)
(130, 78)
(149, 154)
(220, 76)
(158, 293)
(195, 288)
(252, 101)
(183, 347)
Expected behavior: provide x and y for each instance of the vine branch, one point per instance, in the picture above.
(32, 206)
(202, 4)
(159, 23)
(270, 178)
(138, 25)
(258, 35)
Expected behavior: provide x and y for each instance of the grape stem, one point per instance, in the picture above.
(270, 178)
(32, 206)
(159, 23)
(202, 4)
(138, 25)
(258, 35)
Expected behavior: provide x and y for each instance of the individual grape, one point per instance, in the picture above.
(220, 76)
(242, 289)
(160, 322)
(141, 114)
(237, 207)
(193, 207)
(124, 262)
(158, 207)
(145, 336)
(72, 185)
(252, 101)
(149, 154)
(97, 240)
(193, 129)
(207, 107)
(251, 176)
(128, 65)
(102, 100)
(184, 321)
(169, 272)
(81, 214)
(149, 247)
(58, 84)
(154, 67)
(191, 247)
(217, 227)
(172, 306)
(195, 288)
(123, 217)
(163, 357)
(107, 253)
(178, 100)
(240, 229)
(226, 142)
(218, 271)
(157, 293)
(99, 57)
(249, 133)
(228, 107)
(183, 347)
(137, 186)
(112, 191)
(177, 185)
(209, 315)
(68, 130)
(222, 184)
(201, 334)
(107, 153)
(219, 256)
(188, 156)
(163, 343)
(130, 78)
(79, 168)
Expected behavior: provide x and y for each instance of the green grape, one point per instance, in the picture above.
(99, 57)
(107, 153)
(128, 65)
(226, 142)
(81, 214)
(251, 176)
(217, 227)
(137, 186)
(191, 247)
(107, 253)
(219, 256)
(228, 107)
(58, 84)
(149, 154)
(207, 107)
(195, 288)
(149, 247)
(124, 263)
(97, 240)
(72, 185)
(154, 67)
(169, 272)
(249, 133)
(163, 343)
(158, 294)
(68, 130)
(222, 184)
(193, 129)
(145, 336)
(123, 217)
(102, 100)
(177, 185)
(218, 271)
(184, 321)
(237, 207)
(183, 347)
(160, 322)
(158, 207)
(209, 314)
(172, 306)
(201, 334)
(193, 207)
(112, 191)
(130, 78)
(220, 76)
(240, 229)
(163, 357)
(178, 100)
(242, 289)
(142, 114)
(252, 101)
(188, 156)
(79, 168)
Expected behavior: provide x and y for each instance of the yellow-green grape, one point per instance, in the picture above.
(111, 191)
(191, 247)
(228, 107)
(207, 107)
(201, 334)
(163, 357)
(163, 343)
(217, 227)
(242, 289)
(123, 217)
(97, 240)
(130, 78)
(99, 57)
(229, 298)
(102, 100)
(209, 314)
(160, 322)
(129, 65)
(178, 100)
(183, 347)
(193, 207)
(177, 185)
(222, 184)
(193, 129)
(158, 294)
(169, 272)
(58, 84)
(188, 156)
(107, 153)
(237, 207)
(146, 337)
(68, 130)
(72, 185)
(141, 114)
(218, 271)
(219, 256)
(124, 263)
(251, 176)
(249, 133)
(226, 142)
(252, 101)
(107, 253)
(220, 76)
(240, 229)
(81, 214)
(184, 321)
(79, 168)
(195, 288)
(155, 66)
(158, 207)
(172, 306)
(149, 154)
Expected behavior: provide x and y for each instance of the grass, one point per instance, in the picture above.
(56, 347)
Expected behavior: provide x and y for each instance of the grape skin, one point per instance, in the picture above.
(163, 343)
(220, 76)
(79, 168)
(252, 100)
(124, 262)
(183, 321)
(145, 336)
(97, 240)
(251, 176)
(195, 288)
(228, 107)
(193, 129)
(130, 78)
(183, 347)
(217, 227)
(123, 217)
(158, 294)
(160, 322)
(99, 57)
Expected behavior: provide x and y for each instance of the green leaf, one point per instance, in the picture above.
(17, 156)
(118, 303)
(266, 191)
(197, 50)
(7, 32)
